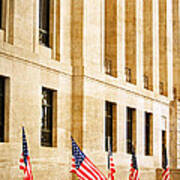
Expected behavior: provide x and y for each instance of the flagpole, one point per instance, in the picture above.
(109, 151)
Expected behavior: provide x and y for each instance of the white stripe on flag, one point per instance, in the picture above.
(97, 170)
(88, 171)
(98, 175)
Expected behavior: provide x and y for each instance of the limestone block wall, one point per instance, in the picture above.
(74, 67)
(176, 42)
(173, 133)
(96, 93)
(29, 67)
(26, 82)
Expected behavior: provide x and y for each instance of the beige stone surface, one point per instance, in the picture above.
(74, 66)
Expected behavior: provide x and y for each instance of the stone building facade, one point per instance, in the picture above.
(175, 105)
(93, 70)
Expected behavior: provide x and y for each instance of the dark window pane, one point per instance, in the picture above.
(44, 16)
(109, 125)
(47, 108)
(2, 109)
(147, 133)
(163, 146)
(129, 129)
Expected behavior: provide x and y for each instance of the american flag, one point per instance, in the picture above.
(111, 165)
(25, 159)
(134, 174)
(82, 166)
(165, 174)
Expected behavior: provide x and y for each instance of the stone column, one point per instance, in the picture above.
(170, 48)
(156, 47)
(139, 43)
(78, 70)
(173, 134)
(176, 42)
(121, 40)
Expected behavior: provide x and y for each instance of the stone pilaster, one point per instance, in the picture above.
(78, 71)
(121, 40)
(156, 47)
(139, 43)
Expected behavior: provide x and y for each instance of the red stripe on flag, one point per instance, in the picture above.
(166, 174)
(90, 170)
(84, 173)
(101, 175)
(94, 169)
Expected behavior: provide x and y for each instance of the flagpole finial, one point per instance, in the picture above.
(72, 138)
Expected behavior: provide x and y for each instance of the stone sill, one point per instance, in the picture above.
(45, 51)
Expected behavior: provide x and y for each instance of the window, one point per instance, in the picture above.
(110, 126)
(146, 82)
(130, 40)
(44, 17)
(47, 117)
(108, 66)
(128, 74)
(161, 88)
(148, 134)
(110, 49)
(131, 129)
(148, 44)
(2, 102)
(163, 146)
(163, 48)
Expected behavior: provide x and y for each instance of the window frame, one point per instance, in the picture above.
(51, 123)
(110, 126)
(130, 125)
(44, 20)
(6, 108)
(164, 144)
(148, 131)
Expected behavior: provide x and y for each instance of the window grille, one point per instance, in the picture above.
(128, 74)
(44, 18)
(148, 134)
(109, 125)
(161, 88)
(131, 128)
(146, 82)
(108, 67)
(47, 116)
